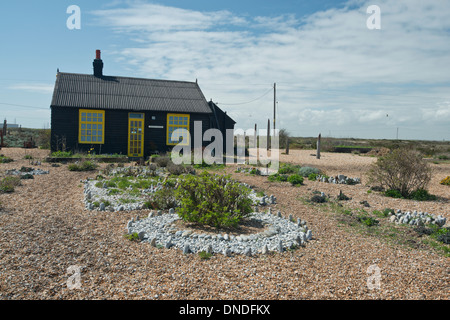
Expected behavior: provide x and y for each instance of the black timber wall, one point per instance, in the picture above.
(65, 124)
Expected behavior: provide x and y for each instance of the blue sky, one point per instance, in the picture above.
(334, 76)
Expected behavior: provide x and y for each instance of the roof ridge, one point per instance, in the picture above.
(124, 77)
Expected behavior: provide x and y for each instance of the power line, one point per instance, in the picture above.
(236, 104)
(22, 106)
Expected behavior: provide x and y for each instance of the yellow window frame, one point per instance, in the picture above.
(88, 123)
(177, 121)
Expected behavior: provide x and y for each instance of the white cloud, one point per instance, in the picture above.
(328, 66)
(36, 87)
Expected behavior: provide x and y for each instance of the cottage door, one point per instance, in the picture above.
(136, 135)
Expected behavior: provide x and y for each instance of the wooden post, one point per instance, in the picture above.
(268, 134)
(287, 145)
(318, 147)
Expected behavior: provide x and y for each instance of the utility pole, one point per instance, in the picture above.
(274, 106)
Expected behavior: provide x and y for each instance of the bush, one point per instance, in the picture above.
(446, 181)
(162, 199)
(4, 159)
(287, 168)
(278, 177)
(175, 169)
(312, 176)
(62, 154)
(27, 176)
(402, 170)
(318, 199)
(295, 179)
(8, 184)
(84, 166)
(306, 171)
(418, 195)
(393, 194)
(422, 195)
(213, 200)
(162, 161)
(368, 221)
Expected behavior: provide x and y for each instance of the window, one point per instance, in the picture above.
(92, 126)
(174, 122)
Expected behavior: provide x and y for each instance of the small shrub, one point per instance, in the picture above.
(342, 197)
(393, 194)
(312, 176)
(368, 221)
(25, 169)
(162, 199)
(213, 200)
(204, 255)
(4, 159)
(8, 184)
(27, 176)
(446, 181)
(175, 169)
(306, 171)
(162, 161)
(112, 192)
(62, 154)
(287, 168)
(402, 170)
(278, 177)
(132, 237)
(28, 157)
(444, 237)
(422, 195)
(84, 166)
(318, 199)
(295, 179)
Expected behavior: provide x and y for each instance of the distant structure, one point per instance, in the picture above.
(131, 116)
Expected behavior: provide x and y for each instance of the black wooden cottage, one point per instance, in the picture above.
(131, 116)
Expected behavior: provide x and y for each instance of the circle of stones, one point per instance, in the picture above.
(281, 234)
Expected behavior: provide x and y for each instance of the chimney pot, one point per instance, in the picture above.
(98, 55)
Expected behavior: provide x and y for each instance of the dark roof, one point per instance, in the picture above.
(88, 91)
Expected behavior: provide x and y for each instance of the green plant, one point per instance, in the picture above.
(162, 199)
(393, 194)
(318, 199)
(62, 154)
(4, 159)
(25, 169)
(132, 237)
(306, 171)
(403, 170)
(8, 184)
(27, 176)
(368, 221)
(162, 161)
(113, 191)
(312, 176)
(422, 195)
(295, 179)
(86, 165)
(287, 168)
(28, 157)
(204, 255)
(214, 200)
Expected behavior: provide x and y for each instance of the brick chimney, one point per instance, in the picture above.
(98, 64)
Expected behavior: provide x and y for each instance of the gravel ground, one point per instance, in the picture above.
(45, 229)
